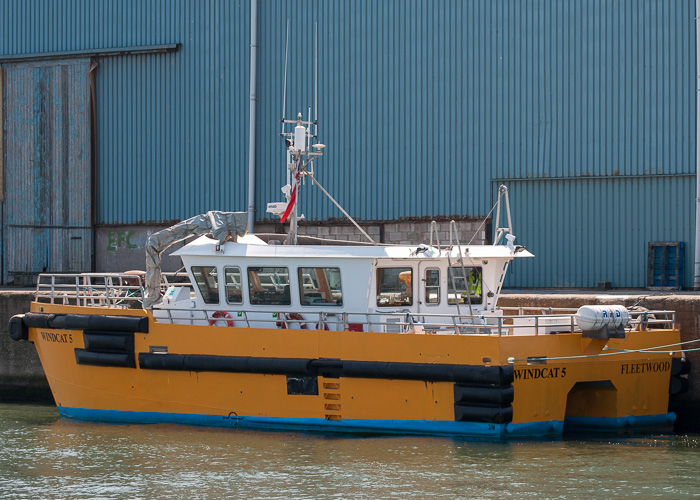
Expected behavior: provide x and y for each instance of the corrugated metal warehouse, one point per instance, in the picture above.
(123, 115)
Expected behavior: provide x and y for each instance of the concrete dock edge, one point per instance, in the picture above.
(21, 377)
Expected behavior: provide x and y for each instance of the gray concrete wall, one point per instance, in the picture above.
(21, 375)
(122, 248)
(399, 233)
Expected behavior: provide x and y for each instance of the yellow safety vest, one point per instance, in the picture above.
(474, 286)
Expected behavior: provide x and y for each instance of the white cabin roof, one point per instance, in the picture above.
(252, 246)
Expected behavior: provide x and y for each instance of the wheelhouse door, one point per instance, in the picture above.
(428, 284)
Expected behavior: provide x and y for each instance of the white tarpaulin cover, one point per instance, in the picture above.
(223, 226)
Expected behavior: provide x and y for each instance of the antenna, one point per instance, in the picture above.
(284, 94)
(316, 80)
(301, 154)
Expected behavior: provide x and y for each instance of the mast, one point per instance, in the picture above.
(302, 150)
(299, 164)
(299, 153)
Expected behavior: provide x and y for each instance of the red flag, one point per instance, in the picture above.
(292, 199)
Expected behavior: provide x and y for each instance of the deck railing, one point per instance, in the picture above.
(126, 290)
(91, 289)
(527, 324)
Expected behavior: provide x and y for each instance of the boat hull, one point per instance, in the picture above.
(554, 428)
(482, 386)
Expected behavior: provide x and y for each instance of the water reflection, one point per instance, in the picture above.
(50, 457)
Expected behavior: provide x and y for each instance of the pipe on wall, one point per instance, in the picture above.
(696, 283)
(253, 98)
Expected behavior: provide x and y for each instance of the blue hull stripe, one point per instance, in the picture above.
(618, 424)
(424, 427)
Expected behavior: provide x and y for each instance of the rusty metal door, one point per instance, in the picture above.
(47, 209)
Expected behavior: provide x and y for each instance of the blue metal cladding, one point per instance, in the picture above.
(423, 104)
(584, 231)
(425, 107)
(172, 129)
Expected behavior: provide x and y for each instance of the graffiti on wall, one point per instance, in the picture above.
(120, 239)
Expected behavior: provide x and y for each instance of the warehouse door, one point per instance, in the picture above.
(47, 196)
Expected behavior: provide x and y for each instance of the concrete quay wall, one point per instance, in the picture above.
(22, 378)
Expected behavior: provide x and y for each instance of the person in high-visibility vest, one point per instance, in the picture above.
(474, 283)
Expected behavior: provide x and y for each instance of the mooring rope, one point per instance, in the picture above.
(649, 350)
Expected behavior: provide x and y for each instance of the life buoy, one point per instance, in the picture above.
(221, 314)
(292, 316)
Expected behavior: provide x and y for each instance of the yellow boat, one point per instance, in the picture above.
(357, 338)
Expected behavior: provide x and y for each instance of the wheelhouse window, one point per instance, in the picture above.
(394, 286)
(207, 279)
(320, 286)
(234, 288)
(464, 287)
(269, 286)
(432, 286)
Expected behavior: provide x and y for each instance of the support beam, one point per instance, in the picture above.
(696, 281)
(86, 53)
(253, 98)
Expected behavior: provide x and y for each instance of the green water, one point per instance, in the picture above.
(45, 456)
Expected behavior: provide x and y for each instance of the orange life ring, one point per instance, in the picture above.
(221, 314)
(292, 316)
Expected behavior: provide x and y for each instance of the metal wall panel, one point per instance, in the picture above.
(46, 219)
(172, 128)
(423, 105)
(427, 107)
(583, 231)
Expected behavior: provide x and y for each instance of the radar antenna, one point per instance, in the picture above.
(284, 92)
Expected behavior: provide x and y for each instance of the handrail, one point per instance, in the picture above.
(126, 290)
(98, 289)
(402, 322)
(119, 290)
